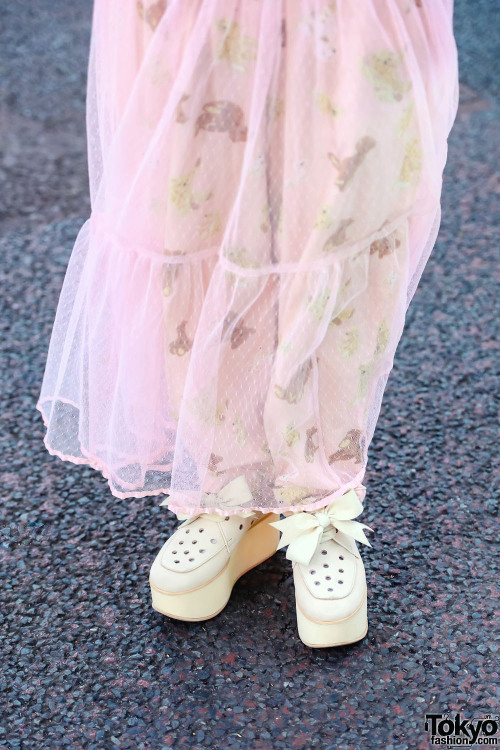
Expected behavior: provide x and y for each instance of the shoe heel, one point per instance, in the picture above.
(316, 634)
(206, 601)
(258, 545)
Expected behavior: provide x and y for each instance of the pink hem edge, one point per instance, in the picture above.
(95, 464)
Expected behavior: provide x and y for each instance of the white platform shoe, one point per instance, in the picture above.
(194, 573)
(328, 572)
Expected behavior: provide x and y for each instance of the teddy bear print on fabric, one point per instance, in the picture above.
(310, 447)
(295, 389)
(338, 237)
(349, 344)
(222, 116)
(181, 193)
(291, 493)
(348, 166)
(350, 447)
(344, 315)
(213, 463)
(291, 434)
(381, 69)
(383, 246)
(235, 48)
(153, 13)
(182, 343)
(240, 332)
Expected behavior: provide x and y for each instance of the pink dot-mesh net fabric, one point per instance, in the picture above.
(265, 180)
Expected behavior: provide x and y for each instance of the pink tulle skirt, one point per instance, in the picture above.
(266, 180)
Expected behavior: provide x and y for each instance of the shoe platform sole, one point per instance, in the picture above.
(318, 634)
(209, 599)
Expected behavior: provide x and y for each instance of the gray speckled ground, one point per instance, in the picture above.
(86, 663)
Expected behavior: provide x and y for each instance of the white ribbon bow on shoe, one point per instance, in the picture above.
(236, 492)
(304, 531)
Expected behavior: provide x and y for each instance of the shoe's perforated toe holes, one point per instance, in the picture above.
(340, 557)
(194, 541)
(181, 542)
(312, 572)
(201, 550)
(341, 570)
(191, 559)
(200, 530)
(187, 531)
(330, 590)
(213, 541)
(323, 552)
(241, 526)
(174, 551)
(226, 518)
(176, 561)
(316, 583)
(340, 581)
(325, 565)
(328, 578)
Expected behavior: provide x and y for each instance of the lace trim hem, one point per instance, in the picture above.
(174, 507)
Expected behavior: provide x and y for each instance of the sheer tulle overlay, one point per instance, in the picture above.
(265, 179)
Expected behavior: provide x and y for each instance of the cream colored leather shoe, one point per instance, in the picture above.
(194, 572)
(328, 572)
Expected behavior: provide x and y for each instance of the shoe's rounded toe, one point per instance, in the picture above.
(190, 558)
(331, 597)
(193, 574)
(328, 598)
